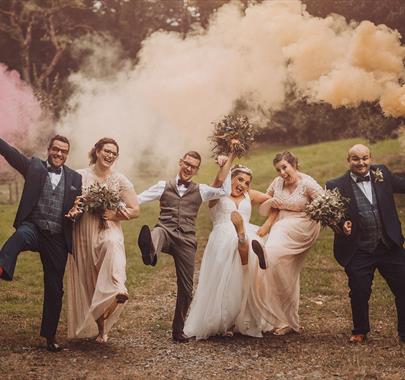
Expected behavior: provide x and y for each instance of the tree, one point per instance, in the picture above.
(40, 33)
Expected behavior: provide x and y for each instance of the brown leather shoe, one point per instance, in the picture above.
(358, 338)
(180, 337)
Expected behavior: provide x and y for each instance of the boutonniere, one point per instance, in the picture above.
(378, 175)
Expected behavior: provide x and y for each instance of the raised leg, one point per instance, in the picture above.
(243, 243)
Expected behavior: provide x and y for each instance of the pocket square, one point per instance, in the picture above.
(73, 188)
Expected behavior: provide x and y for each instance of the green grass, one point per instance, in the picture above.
(21, 300)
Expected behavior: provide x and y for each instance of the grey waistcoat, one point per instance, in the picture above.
(178, 214)
(371, 228)
(48, 212)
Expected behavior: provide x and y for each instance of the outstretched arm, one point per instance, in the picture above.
(153, 193)
(225, 164)
(265, 228)
(15, 158)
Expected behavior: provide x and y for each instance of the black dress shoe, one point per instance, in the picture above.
(146, 246)
(258, 249)
(180, 337)
(402, 339)
(53, 347)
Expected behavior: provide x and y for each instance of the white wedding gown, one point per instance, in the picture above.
(220, 302)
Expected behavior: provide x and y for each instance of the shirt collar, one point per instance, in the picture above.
(355, 176)
(48, 165)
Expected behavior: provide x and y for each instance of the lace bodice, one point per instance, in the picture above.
(221, 212)
(306, 190)
(116, 181)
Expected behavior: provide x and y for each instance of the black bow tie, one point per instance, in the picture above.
(51, 169)
(363, 179)
(184, 183)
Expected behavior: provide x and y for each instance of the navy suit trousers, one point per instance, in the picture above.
(53, 253)
(360, 271)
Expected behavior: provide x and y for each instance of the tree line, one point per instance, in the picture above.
(36, 39)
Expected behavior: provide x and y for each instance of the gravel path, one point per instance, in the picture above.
(140, 347)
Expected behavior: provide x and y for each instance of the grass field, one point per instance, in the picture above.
(323, 284)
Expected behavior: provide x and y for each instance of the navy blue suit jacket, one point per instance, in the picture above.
(34, 172)
(344, 246)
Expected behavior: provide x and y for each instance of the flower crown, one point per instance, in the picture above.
(241, 168)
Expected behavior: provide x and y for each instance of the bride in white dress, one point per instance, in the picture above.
(220, 304)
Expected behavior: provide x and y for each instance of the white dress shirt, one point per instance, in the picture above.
(364, 186)
(207, 193)
(55, 178)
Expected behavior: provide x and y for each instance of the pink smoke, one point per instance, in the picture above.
(19, 109)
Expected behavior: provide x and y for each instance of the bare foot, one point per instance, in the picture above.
(102, 338)
(285, 330)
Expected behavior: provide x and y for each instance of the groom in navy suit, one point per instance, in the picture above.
(49, 193)
(371, 237)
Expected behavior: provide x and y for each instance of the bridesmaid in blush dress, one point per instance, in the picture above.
(96, 269)
(276, 291)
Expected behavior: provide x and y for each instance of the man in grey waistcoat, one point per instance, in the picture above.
(50, 189)
(371, 237)
(180, 200)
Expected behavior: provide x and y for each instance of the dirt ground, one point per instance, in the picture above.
(140, 347)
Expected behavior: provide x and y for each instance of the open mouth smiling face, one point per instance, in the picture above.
(107, 155)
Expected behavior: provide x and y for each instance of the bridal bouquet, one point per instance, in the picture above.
(328, 208)
(232, 127)
(100, 197)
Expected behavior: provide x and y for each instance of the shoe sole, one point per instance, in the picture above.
(121, 298)
(145, 244)
(258, 250)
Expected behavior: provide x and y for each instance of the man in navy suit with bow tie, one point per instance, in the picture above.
(371, 237)
(50, 190)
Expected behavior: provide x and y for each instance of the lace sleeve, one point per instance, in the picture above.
(124, 183)
(270, 190)
(312, 188)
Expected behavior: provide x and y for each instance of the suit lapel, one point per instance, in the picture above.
(378, 188)
(349, 193)
(68, 182)
(43, 175)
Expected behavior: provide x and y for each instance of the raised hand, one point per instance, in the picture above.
(76, 209)
(347, 227)
(222, 160)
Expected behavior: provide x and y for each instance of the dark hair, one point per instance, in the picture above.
(194, 154)
(59, 138)
(287, 156)
(98, 146)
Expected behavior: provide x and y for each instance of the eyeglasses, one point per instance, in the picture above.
(110, 152)
(189, 165)
(55, 149)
